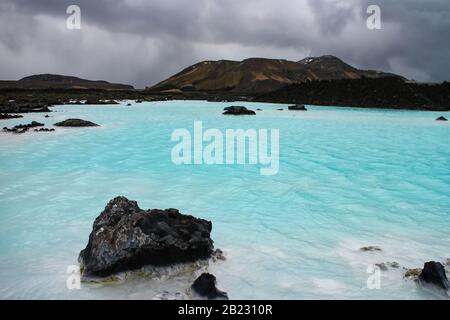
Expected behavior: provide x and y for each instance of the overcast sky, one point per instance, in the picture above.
(141, 42)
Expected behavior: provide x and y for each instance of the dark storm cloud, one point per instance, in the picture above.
(142, 41)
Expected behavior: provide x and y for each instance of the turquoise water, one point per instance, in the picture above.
(348, 178)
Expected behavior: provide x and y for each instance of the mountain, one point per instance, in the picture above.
(55, 81)
(259, 75)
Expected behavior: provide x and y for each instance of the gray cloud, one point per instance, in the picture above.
(141, 42)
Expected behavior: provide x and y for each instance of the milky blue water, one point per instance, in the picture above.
(348, 178)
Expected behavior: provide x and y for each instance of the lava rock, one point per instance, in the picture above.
(370, 248)
(44, 130)
(100, 102)
(218, 255)
(4, 116)
(205, 286)
(238, 111)
(441, 119)
(385, 265)
(76, 123)
(382, 266)
(22, 128)
(433, 273)
(125, 237)
(298, 107)
(412, 273)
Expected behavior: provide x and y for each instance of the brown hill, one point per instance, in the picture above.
(258, 75)
(55, 81)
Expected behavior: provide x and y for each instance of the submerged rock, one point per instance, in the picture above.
(205, 286)
(441, 119)
(433, 274)
(370, 248)
(166, 295)
(412, 273)
(218, 255)
(125, 237)
(76, 123)
(298, 107)
(385, 265)
(382, 266)
(238, 111)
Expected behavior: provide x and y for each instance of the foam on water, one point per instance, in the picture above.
(348, 178)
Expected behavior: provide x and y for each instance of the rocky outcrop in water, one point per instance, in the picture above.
(76, 123)
(238, 111)
(44, 130)
(441, 119)
(205, 286)
(22, 128)
(433, 274)
(370, 248)
(125, 237)
(386, 265)
(298, 107)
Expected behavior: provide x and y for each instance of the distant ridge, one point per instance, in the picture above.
(56, 81)
(259, 75)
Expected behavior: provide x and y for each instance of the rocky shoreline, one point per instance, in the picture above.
(128, 242)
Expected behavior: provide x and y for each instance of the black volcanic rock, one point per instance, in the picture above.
(205, 286)
(76, 123)
(370, 248)
(298, 107)
(100, 102)
(385, 93)
(433, 273)
(125, 237)
(238, 111)
(4, 116)
(441, 119)
(15, 107)
(44, 130)
(22, 128)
